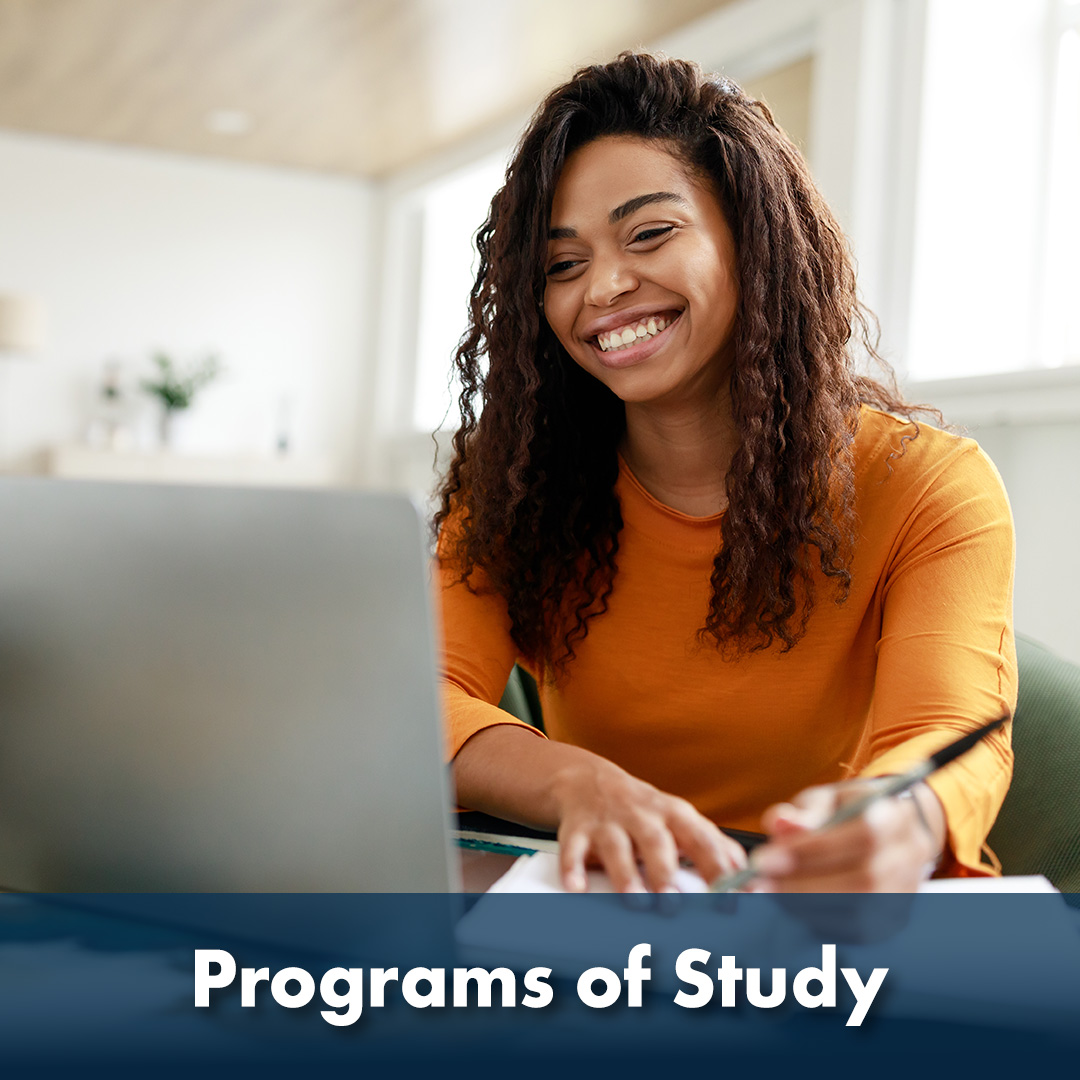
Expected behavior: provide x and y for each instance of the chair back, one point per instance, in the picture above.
(1038, 829)
(522, 698)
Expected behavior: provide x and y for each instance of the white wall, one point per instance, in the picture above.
(1029, 424)
(1038, 465)
(134, 250)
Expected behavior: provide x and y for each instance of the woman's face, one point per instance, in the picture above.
(642, 285)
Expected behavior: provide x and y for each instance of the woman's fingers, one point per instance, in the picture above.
(612, 844)
(658, 853)
(606, 844)
(633, 830)
(808, 810)
(644, 853)
(887, 870)
(573, 847)
(712, 853)
(877, 851)
(847, 853)
(822, 852)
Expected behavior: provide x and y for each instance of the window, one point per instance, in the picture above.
(997, 220)
(452, 209)
(1061, 309)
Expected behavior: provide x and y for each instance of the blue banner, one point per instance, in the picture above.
(528, 985)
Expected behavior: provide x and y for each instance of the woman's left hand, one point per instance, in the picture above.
(888, 848)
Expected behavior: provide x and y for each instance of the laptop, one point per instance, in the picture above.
(212, 689)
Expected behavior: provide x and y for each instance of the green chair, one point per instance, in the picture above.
(522, 699)
(1038, 829)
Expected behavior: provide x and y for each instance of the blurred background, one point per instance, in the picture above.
(235, 235)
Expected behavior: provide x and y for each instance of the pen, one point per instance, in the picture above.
(892, 785)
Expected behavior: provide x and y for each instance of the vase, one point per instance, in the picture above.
(168, 428)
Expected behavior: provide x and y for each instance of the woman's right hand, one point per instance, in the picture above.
(604, 815)
(636, 832)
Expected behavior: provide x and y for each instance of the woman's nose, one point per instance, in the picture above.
(609, 278)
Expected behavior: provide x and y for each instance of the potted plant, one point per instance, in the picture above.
(175, 388)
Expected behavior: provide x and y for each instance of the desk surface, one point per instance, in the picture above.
(481, 869)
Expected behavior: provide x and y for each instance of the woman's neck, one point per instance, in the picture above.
(681, 456)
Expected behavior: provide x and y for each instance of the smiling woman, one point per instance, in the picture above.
(676, 461)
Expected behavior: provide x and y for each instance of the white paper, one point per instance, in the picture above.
(539, 873)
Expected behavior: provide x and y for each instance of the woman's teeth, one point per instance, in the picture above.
(631, 334)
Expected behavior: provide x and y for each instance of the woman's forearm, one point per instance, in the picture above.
(507, 771)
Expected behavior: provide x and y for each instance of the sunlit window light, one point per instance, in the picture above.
(1061, 329)
(453, 210)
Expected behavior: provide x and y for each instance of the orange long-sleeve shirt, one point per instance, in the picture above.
(921, 651)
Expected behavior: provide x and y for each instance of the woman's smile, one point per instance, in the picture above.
(635, 340)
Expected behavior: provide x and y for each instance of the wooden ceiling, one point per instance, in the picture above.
(360, 87)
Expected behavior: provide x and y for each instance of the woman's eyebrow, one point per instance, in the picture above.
(627, 208)
(638, 201)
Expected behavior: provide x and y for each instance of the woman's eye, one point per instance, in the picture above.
(561, 267)
(651, 234)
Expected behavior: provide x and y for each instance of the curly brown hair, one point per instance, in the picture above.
(529, 496)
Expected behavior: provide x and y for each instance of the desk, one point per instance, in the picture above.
(481, 869)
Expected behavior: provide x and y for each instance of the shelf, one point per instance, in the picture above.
(79, 462)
